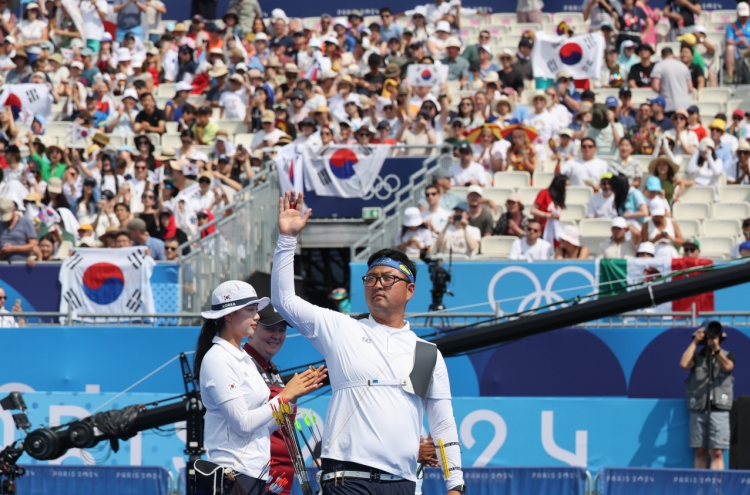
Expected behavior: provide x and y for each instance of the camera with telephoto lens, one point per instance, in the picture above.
(440, 278)
(712, 330)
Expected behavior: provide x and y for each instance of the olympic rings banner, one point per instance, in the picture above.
(392, 177)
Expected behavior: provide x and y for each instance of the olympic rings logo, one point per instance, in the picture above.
(535, 299)
(383, 187)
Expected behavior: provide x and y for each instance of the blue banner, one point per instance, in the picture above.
(112, 480)
(588, 433)
(512, 481)
(626, 481)
(393, 177)
(24, 283)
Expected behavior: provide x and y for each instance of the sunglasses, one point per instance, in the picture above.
(435, 194)
(140, 168)
(678, 117)
(690, 249)
(169, 248)
(148, 196)
(529, 229)
(326, 133)
(743, 152)
(465, 152)
(204, 181)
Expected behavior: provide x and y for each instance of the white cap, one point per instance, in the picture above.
(130, 93)
(699, 28)
(77, 65)
(647, 248)
(412, 217)
(183, 86)
(443, 26)
(486, 48)
(706, 143)
(743, 9)
(474, 189)
(571, 234)
(198, 155)
(658, 207)
(278, 14)
(619, 222)
(10, 39)
(339, 21)
(231, 296)
(421, 10)
(628, 43)
(261, 37)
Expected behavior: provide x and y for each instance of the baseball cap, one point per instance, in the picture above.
(515, 197)
(646, 248)
(10, 39)
(87, 227)
(474, 189)
(659, 100)
(486, 48)
(693, 109)
(619, 222)
(383, 124)
(268, 116)
(693, 241)
(658, 207)
(463, 145)
(183, 86)
(563, 74)
(136, 224)
(443, 26)
(625, 90)
(628, 44)
(743, 9)
(6, 209)
(526, 42)
(54, 185)
(269, 316)
(231, 296)
(611, 101)
(646, 46)
(738, 113)
(653, 184)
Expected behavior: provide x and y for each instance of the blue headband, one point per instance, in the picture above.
(393, 264)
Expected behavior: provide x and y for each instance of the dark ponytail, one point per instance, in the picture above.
(210, 329)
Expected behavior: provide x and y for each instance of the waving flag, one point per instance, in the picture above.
(426, 74)
(107, 281)
(25, 100)
(344, 172)
(580, 55)
(289, 163)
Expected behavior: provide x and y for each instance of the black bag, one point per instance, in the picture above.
(211, 479)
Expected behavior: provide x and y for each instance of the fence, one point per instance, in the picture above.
(382, 232)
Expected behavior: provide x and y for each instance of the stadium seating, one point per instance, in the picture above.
(595, 227)
(691, 211)
(731, 210)
(734, 194)
(690, 228)
(720, 227)
(698, 194)
(498, 245)
(716, 247)
(512, 179)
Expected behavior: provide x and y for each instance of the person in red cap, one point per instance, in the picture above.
(737, 127)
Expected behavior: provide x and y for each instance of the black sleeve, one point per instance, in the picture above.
(140, 117)
(730, 356)
(161, 114)
(633, 73)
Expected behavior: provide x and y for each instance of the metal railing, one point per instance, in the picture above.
(45, 318)
(382, 233)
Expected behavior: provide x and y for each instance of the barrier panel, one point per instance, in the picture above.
(626, 481)
(77, 480)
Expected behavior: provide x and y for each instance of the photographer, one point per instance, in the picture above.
(458, 236)
(710, 391)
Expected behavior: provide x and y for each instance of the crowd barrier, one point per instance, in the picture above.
(626, 481)
(112, 480)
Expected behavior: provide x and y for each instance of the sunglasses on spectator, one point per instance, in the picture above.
(563, 79)
(466, 104)
(736, 117)
(170, 248)
(204, 181)
(678, 117)
(428, 194)
(529, 229)
(148, 196)
(457, 125)
(465, 152)
(3, 297)
(140, 168)
(326, 133)
(743, 152)
(690, 249)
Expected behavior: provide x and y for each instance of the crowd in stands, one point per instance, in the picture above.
(156, 125)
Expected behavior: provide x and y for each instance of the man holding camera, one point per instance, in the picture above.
(710, 391)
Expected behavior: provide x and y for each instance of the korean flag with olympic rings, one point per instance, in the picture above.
(344, 172)
(107, 281)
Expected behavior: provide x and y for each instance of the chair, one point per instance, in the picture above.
(713, 227)
(116, 141)
(171, 141)
(543, 179)
(735, 211)
(691, 211)
(573, 212)
(512, 179)
(503, 19)
(578, 195)
(520, 27)
(461, 191)
(232, 126)
(596, 227)
(497, 245)
(720, 95)
(166, 90)
(161, 101)
(216, 113)
(593, 242)
(569, 18)
(528, 195)
(711, 246)
(154, 138)
(57, 128)
(734, 194)
(690, 228)
(698, 194)
(172, 128)
(244, 139)
(711, 107)
(497, 194)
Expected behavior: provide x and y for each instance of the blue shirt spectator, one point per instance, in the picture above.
(740, 39)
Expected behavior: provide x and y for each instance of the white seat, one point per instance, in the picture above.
(698, 194)
(166, 90)
(497, 194)
(734, 194)
(161, 101)
(497, 245)
(172, 128)
(57, 128)
(171, 141)
(720, 227)
(573, 212)
(154, 138)
(244, 139)
(596, 227)
(216, 113)
(690, 228)
(711, 107)
(520, 27)
(461, 191)
(716, 245)
(736, 211)
(528, 195)
(691, 211)
(232, 126)
(720, 95)
(592, 242)
(512, 179)
(543, 179)
(578, 195)
(116, 141)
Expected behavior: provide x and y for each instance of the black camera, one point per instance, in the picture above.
(712, 330)
(440, 278)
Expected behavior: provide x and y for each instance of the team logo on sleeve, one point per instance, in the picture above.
(231, 386)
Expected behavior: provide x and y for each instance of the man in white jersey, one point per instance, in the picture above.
(377, 371)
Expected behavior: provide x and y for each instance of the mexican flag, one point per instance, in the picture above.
(615, 275)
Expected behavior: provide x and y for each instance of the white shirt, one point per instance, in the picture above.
(575, 171)
(423, 237)
(460, 176)
(234, 104)
(271, 137)
(92, 23)
(238, 419)
(457, 240)
(541, 250)
(601, 207)
(438, 218)
(31, 31)
(7, 321)
(545, 123)
(376, 426)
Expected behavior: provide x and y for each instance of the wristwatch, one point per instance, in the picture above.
(458, 488)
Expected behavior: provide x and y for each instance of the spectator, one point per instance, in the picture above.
(658, 115)
(725, 144)
(633, 23)
(151, 118)
(459, 237)
(566, 149)
(694, 122)
(691, 248)
(467, 114)
(136, 228)
(421, 134)
(486, 65)
(605, 130)
(599, 13)
(270, 134)
(9, 321)
(736, 250)
(490, 151)
(705, 167)
(618, 246)
(414, 235)
(522, 65)
(570, 245)
(740, 172)
(467, 172)
(543, 121)
(205, 129)
(707, 51)
(435, 217)
(737, 34)
(532, 247)
(602, 204)
(623, 118)
(529, 11)
(448, 199)
(672, 80)
(639, 75)
(471, 52)
(686, 141)
(389, 29)
(627, 164)
(662, 231)
(697, 75)
(569, 97)
(548, 207)
(738, 127)
(587, 170)
(653, 190)
(508, 75)
(645, 134)
(521, 155)
(17, 234)
(681, 15)
(479, 216)
(513, 221)
(645, 250)
(171, 246)
(629, 201)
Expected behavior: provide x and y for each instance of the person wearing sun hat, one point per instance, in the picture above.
(570, 244)
(705, 167)
(726, 144)
(543, 121)
(237, 399)
(414, 234)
